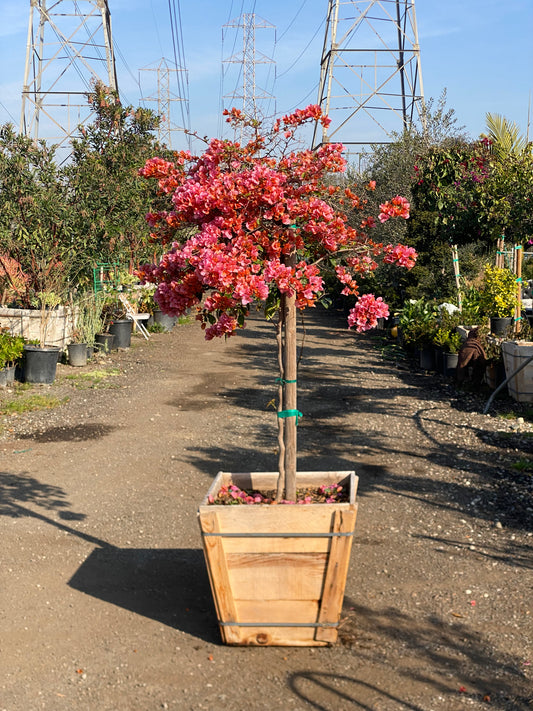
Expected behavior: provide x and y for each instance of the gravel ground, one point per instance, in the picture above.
(104, 598)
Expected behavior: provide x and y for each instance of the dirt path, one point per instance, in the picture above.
(104, 599)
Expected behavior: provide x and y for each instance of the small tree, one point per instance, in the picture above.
(35, 219)
(108, 198)
(265, 231)
(392, 167)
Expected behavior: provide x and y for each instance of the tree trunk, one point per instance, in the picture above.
(289, 388)
(281, 422)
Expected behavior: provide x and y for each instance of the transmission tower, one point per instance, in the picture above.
(68, 50)
(164, 100)
(370, 78)
(248, 59)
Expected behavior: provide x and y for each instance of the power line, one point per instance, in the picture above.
(125, 63)
(291, 23)
(187, 123)
(302, 101)
(8, 112)
(156, 27)
(176, 29)
(321, 25)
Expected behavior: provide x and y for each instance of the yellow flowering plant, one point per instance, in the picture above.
(499, 292)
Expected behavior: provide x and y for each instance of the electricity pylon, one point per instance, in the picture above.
(371, 77)
(250, 95)
(164, 99)
(68, 50)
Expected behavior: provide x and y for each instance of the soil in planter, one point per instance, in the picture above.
(233, 496)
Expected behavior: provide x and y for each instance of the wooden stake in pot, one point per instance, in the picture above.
(519, 255)
(500, 245)
(287, 408)
(455, 258)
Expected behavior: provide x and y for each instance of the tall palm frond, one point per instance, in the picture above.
(505, 135)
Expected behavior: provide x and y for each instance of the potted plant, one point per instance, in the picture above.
(418, 323)
(11, 352)
(499, 298)
(117, 323)
(89, 319)
(448, 340)
(159, 321)
(3, 364)
(40, 359)
(517, 355)
(267, 227)
(39, 256)
(77, 347)
(145, 301)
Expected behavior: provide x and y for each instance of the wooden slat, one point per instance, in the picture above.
(277, 610)
(335, 580)
(219, 579)
(288, 520)
(280, 637)
(276, 576)
(276, 545)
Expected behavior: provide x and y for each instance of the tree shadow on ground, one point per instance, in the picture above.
(17, 491)
(448, 655)
(330, 692)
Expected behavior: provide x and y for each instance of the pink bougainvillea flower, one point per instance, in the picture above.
(366, 312)
(397, 207)
(238, 214)
(400, 254)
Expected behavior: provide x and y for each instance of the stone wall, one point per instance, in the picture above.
(27, 323)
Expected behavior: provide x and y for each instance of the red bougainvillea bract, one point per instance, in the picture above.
(253, 205)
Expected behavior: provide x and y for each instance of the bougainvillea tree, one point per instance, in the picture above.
(267, 223)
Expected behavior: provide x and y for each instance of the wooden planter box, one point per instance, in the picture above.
(278, 572)
(514, 354)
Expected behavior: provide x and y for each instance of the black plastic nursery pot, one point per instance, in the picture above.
(449, 364)
(104, 342)
(499, 326)
(40, 364)
(121, 330)
(426, 358)
(77, 354)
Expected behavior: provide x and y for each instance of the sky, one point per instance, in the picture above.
(479, 51)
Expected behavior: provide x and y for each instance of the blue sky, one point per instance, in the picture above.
(480, 51)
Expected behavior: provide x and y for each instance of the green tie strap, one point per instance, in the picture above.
(290, 413)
